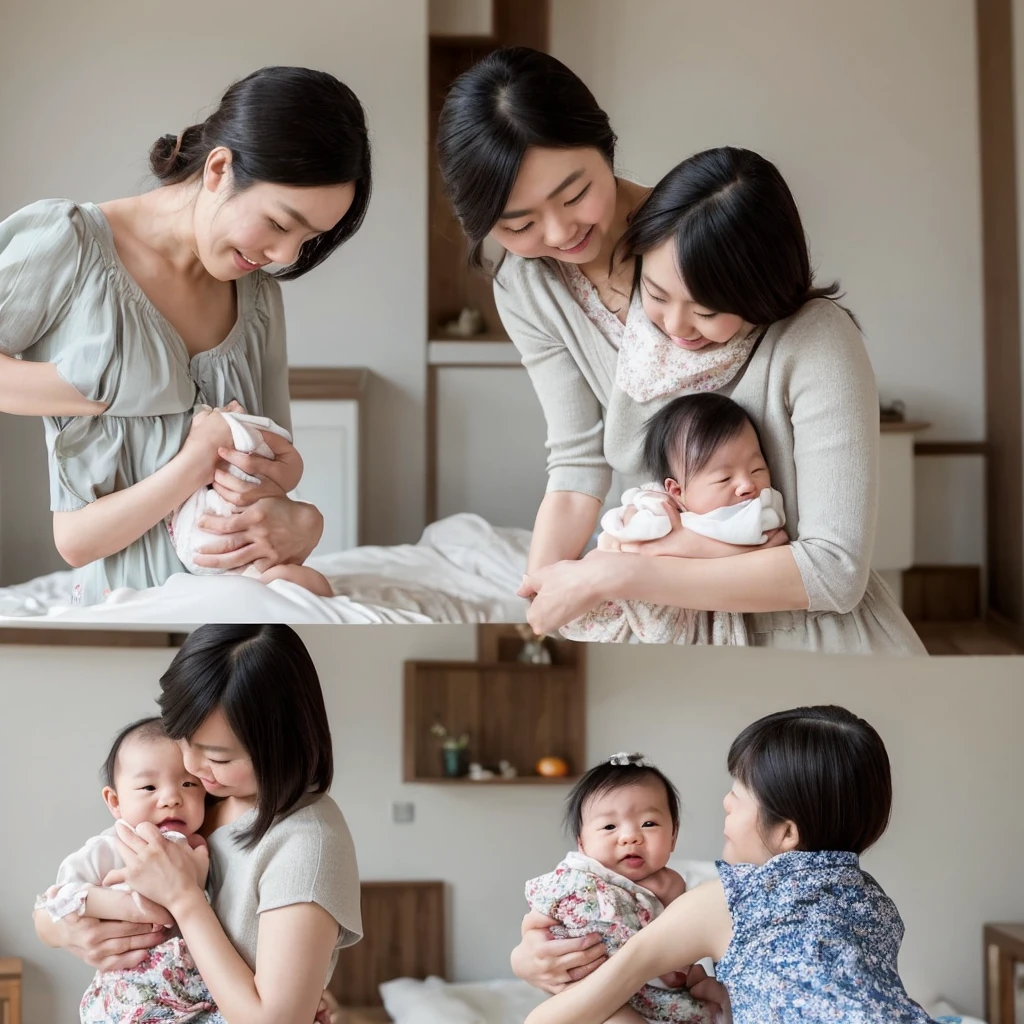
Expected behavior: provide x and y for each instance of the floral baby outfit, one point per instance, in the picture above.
(815, 939)
(165, 987)
(588, 898)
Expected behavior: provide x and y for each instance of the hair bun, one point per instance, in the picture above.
(622, 758)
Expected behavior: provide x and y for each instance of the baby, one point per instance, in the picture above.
(707, 451)
(146, 780)
(182, 524)
(624, 814)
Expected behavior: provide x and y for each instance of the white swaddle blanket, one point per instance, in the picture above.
(747, 523)
(183, 523)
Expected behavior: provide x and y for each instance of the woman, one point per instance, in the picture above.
(283, 877)
(619, 300)
(130, 313)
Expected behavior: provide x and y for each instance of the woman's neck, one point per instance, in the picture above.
(163, 221)
(628, 196)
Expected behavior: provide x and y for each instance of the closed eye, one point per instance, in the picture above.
(277, 227)
(652, 295)
(706, 316)
(519, 231)
(575, 199)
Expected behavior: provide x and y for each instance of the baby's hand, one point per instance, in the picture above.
(666, 884)
(113, 877)
(207, 433)
(677, 979)
(606, 542)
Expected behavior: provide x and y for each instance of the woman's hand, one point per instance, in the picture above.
(159, 869)
(551, 964)
(104, 945)
(273, 531)
(208, 433)
(565, 590)
(278, 476)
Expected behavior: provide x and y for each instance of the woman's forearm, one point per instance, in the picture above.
(116, 520)
(565, 523)
(29, 388)
(228, 977)
(757, 581)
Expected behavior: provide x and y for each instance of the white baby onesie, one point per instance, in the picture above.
(747, 523)
(182, 523)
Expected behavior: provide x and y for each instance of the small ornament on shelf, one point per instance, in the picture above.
(535, 649)
(452, 750)
(892, 412)
(469, 324)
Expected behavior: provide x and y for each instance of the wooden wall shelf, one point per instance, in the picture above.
(511, 711)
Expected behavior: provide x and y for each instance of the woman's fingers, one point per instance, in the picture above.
(529, 586)
(576, 973)
(534, 919)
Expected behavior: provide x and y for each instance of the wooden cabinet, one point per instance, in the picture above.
(10, 990)
(510, 711)
(1004, 973)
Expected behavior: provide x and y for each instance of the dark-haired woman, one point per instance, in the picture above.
(798, 931)
(619, 300)
(283, 876)
(129, 314)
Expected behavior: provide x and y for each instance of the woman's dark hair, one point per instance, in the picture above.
(264, 681)
(609, 776)
(512, 99)
(150, 728)
(740, 246)
(822, 768)
(285, 126)
(688, 431)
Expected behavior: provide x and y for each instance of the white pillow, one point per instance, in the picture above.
(410, 1001)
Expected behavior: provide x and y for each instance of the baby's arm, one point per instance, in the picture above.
(114, 521)
(119, 905)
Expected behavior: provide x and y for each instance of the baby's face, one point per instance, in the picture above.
(152, 785)
(736, 472)
(629, 830)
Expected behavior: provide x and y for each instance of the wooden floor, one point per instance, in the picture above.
(964, 638)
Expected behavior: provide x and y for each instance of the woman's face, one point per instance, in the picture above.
(670, 307)
(562, 206)
(237, 233)
(746, 842)
(220, 762)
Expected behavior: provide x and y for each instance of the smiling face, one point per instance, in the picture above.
(629, 829)
(562, 206)
(218, 759)
(152, 784)
(239, 232)
(670, 307)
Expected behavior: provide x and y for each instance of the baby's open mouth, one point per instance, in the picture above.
(171, 825)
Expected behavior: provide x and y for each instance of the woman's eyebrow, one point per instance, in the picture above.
(512, 214)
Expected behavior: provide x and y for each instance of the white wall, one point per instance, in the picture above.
(86, 89)
(950, 859)
(870, 112)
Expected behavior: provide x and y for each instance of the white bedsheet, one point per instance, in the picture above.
(461, 570)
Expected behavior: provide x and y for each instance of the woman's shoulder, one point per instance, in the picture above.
(820, 336)
(51, 227)
(316, 822)
(518, 279)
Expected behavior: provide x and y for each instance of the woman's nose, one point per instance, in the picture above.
(559, 232)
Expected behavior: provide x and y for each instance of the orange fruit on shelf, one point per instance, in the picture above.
(552, 767)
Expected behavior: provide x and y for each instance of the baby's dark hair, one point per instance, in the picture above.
(688, 431)
(144, 729)
(822, 768)
(616, 773)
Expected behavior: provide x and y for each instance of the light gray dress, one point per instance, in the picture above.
(809, 388)
(66, 298)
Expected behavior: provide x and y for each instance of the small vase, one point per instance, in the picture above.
(452, 762)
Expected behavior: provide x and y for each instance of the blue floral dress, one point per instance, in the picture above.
(815, 939)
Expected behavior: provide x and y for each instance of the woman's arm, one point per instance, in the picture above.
(694, 926)
(36, 389)
(294, 948)
(565, 523)
(116, 520)
(551, 964)
(105, 945)
(578, 472)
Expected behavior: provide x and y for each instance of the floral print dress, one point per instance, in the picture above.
(815, 940)
(590, 899)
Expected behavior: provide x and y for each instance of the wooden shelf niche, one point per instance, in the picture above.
(510, 710)
(463, 32)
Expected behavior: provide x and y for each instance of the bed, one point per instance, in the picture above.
(462, 569)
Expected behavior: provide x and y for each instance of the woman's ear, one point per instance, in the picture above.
(110, 799)
(787, 837)
(217, 172)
